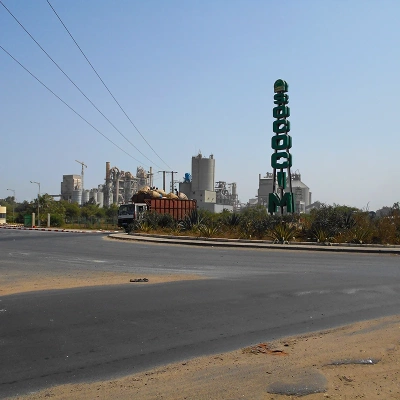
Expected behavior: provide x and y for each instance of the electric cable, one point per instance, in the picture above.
(66, 75)
(79, 115)
(84, 55)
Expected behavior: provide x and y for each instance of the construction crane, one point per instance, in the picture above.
(83, 165)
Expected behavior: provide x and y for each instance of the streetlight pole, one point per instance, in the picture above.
(38, 215)
(12, 190)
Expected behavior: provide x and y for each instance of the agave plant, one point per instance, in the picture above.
(321, 236)
(191, 222)
(208, 230)
(360, 235)
(282, 233)
(246, 230)
(232, 219)
(144, 226)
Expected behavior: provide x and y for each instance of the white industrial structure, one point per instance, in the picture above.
(120, 185)
(118, 188)
(83, 197)
(201, 186)
(226, 194)
(301, 191)
(3, 215)
(71, 188)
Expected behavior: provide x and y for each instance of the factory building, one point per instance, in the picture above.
(118, 188)
(226, 194)
(120, 185)
(302, 194)
(300, 190)
(71, 188)
(200, 185)
(3, 215)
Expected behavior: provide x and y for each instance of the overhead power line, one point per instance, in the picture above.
(77, 87)
(79, 115)
(119, 105)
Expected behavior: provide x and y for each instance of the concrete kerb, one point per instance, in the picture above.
(256, 244)
(22, 228)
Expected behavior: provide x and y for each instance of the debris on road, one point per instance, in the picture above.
(264, 349)
(139, 280)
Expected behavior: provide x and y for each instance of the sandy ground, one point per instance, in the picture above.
(18, 282)
(360, 361)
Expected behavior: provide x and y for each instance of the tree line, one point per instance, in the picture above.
(61, 212)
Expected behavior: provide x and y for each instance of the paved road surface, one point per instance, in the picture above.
(55, 337)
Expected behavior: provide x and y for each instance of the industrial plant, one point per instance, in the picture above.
(301, 191)
(119, 186)
(200, 185)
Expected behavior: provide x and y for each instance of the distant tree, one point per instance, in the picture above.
(50, 206)
(92, 201)
(89, 210)
(111, 211)
(72, 210)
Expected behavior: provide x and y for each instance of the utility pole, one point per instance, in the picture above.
(172, 179)
(83, 165)
(163, 180)
(38, 215)
(151, 177)
(12, 190)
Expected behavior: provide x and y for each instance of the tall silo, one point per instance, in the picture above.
(107, 186)
(234, 189)
(85, 196)
(93, 194)
(203, 173)
(77, 196)
(300, 190)
(100, 198)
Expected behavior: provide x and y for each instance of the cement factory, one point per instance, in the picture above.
(119, 186)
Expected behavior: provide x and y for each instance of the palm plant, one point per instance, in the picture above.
(321, 236)
(282, 233)
(209, 231)
(191, 222)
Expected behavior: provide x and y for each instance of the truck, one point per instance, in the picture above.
(178, 208)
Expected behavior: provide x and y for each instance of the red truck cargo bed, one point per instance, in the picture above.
(177, 208)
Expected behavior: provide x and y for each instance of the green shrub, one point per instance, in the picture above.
(166, 221)
(192, 221)
(331, 220)
(282, 233)
(57, 220)
(209, 231)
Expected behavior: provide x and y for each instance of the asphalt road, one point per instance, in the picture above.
(55, 337)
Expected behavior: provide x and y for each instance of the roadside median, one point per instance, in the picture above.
(257, 244)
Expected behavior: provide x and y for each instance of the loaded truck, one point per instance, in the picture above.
(141, 203)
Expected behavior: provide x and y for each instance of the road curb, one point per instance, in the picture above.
(22, 228)
(206, 242)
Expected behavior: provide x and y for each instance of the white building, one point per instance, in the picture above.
(201, 187)
(301, 191)
(3, 214)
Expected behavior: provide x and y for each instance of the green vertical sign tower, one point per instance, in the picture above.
(281, 159)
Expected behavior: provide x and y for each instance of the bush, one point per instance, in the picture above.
(57, 220)
(209, 231)
(166, 221)
(282, 233)
(332, 221)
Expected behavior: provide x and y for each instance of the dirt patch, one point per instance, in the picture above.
(258, 372)
(19, 282)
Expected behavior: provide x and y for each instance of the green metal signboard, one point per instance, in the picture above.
(281, 160)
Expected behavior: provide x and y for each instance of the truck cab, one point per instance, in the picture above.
(127, 213)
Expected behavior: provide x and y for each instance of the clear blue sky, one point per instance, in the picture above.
(198, 75)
